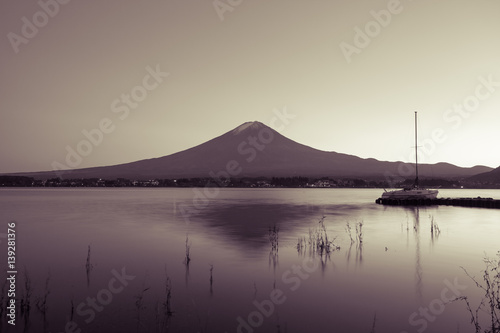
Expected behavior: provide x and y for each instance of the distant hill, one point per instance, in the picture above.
(254, 150)
(492, 177)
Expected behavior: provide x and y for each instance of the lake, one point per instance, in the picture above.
(114, 260)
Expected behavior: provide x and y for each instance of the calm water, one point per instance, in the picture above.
(398, 279)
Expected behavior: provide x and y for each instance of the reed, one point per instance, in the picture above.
(301, 244)
(211, 276)
(25, 306)
(359, 232)
(41, 302)
(374, 323)
(168, 299)
(490, 302)
(187, 259)
(163, 310)
(435, 231)
(3, 299)
(274, 237)
(88, 266)
(72, 310)
(318, 241)
(348, 229)
(164, 313)
(139, 305)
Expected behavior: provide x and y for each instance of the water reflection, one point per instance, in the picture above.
(187, 260)
(415, 211)
(418, 266)
(211, 280)
(435, 231)
(233, 254)
(245, 224)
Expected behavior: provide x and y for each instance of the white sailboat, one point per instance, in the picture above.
(414, 192)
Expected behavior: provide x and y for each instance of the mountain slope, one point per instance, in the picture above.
(492, 176)
(254, 149)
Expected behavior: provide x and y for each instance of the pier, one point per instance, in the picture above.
(462, 202)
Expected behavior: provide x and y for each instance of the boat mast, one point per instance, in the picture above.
(416, 153)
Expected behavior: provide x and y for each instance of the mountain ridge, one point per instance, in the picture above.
(492, 176)
(253, 149)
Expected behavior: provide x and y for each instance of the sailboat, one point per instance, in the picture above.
(414, 192)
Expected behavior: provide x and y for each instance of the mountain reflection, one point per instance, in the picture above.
(247, 225)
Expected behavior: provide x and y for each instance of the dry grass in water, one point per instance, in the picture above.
(41, 302)
(318, 241)
(187, 259)
(26, 297)
(139, 304)
(274, 237)
(490, 302)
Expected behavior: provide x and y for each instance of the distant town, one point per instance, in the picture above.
(260, 182)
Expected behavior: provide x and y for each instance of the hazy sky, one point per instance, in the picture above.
(162, 76)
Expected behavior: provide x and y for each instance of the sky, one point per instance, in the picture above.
(120, 81)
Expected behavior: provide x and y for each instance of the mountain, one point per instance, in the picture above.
(492, 177)
(253, 150)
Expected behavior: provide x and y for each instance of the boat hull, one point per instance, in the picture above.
(410, 194)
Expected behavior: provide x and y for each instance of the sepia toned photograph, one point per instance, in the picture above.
(237, 166)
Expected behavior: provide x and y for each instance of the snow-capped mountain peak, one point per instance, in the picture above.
(248, 125)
